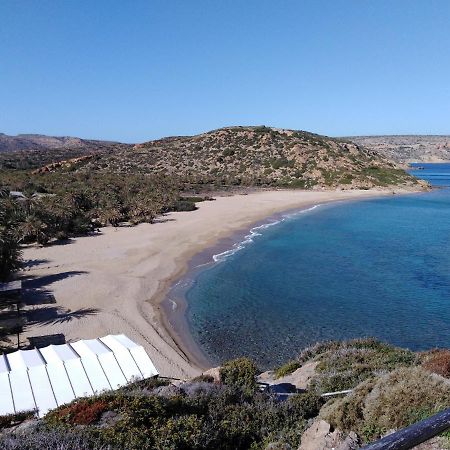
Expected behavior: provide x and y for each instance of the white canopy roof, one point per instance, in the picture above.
(42, 379)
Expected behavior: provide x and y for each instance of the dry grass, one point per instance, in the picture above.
(343, 365)
(437, 361)
(390, 401)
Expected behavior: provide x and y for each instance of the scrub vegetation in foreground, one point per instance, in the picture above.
(392, 388)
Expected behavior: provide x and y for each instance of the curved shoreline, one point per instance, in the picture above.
(116, 282)
(174, 303)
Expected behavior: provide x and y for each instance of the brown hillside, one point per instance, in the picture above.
(257, 156)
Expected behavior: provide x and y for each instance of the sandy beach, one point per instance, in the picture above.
(114, 282)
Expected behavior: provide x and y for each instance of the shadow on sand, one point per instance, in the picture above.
(51, 315)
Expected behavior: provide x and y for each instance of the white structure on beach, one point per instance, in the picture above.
(42, 379)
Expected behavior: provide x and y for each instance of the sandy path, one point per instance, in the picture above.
(123, 273)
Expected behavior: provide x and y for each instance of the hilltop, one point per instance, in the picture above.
(85, 184)
(409, 148)
(257, 156)
(31, 150)
(34, 142)
(227, 157)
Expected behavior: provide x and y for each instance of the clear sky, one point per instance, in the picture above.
(142, 69)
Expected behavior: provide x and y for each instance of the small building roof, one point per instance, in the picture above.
(42, 379)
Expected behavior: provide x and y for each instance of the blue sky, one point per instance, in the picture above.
(138, 70)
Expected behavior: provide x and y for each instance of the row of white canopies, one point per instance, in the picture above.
(42, 379)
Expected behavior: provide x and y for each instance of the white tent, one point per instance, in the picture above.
(42, 379)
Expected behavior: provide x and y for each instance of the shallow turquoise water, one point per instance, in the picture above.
(373, 268)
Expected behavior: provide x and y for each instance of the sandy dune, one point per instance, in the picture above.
(113, 282)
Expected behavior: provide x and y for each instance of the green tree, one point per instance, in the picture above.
(10, 253)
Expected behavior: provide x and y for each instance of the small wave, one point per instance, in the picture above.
(174, 304)
(255, 231)
(202, 265)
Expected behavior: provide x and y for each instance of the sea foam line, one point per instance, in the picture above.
(254, 232)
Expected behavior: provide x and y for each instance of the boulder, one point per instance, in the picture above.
(320, 435)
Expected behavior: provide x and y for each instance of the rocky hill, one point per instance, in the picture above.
(257, 156)
(32, 142)
(407, 149)
(26, 151)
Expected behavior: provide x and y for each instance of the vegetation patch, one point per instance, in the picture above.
(393, 391)
(391, 401)
(196, 415)
(437, 361)
(240, 373)
(10, 420)
(343, 365)
(82, 412)
(287, 369)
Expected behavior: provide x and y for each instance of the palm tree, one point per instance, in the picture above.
(111, 215)
(10, 253)
(143, 209)
(33, 229)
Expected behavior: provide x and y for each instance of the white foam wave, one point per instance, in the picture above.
(174, 304)
(255, 231)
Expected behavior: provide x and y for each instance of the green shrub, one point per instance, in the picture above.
(9, 420)
(391, 401)
(204, 378)
(184, 205)
(287, 369)
(306, 405)
(241, 373)
(184, 432)
(343, 365)
(228, 152)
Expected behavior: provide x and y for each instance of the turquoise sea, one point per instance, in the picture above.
(371, 268)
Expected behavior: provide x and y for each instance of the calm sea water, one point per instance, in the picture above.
(372, 268)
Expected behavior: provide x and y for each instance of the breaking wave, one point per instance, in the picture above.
(257, 231)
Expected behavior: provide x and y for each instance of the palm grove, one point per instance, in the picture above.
(45, 207)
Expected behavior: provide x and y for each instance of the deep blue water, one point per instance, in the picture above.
(438, 174)
(371, 268)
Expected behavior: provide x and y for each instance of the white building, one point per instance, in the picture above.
(42, 379)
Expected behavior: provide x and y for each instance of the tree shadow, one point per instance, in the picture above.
(51, 315)
(33, 310)
(34, 282)
(34, 290)
(66, 241)
(163, 219)
(30, 263)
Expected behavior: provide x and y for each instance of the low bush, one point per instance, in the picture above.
(204, 378)
(81, 412)
(240, 373)
(437, 361)
(52, 439)
(343, 365)
(184, 205)
(287, 369)
(10, 420)
(198, 415)
(391, 401)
